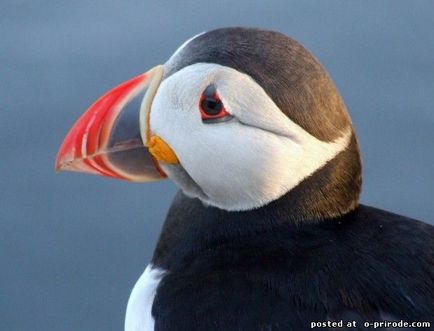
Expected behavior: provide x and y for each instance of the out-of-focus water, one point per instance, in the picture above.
(72, 246)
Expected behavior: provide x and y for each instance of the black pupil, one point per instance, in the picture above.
(210, 104)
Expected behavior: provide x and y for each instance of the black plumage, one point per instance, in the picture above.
(258, 270)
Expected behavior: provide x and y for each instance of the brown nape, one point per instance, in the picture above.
(331, 191)
(310, 97)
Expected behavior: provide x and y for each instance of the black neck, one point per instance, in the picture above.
(330, 193)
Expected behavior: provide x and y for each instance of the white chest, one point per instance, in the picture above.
(139, 309)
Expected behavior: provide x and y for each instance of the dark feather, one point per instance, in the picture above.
(250, 271)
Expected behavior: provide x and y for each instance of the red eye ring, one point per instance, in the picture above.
(211, 107)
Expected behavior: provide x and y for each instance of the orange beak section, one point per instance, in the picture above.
(107, 139)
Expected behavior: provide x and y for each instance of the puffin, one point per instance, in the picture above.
(266, 231)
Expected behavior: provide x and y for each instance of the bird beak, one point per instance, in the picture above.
(111, 137)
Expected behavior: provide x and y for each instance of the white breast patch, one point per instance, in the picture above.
(139, 309)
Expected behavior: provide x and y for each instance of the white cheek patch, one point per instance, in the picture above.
(246, 162)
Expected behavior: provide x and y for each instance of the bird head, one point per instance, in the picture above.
(237, 117)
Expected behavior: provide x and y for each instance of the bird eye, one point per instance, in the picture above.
(211, 107)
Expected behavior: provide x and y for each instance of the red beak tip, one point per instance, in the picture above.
(58, 167)
(60, 163)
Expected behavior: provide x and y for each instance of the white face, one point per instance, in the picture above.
(243, 163)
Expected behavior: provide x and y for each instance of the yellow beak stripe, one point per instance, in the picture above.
(161, 150)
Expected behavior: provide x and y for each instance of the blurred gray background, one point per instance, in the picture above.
(72, 246)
